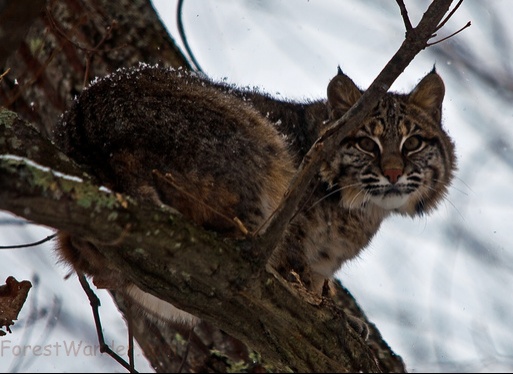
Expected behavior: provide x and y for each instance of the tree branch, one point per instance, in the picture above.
(416, 40)
(265, 312)
(220, 281)
(404, 14)
(446, 19)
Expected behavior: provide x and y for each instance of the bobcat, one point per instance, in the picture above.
(232, 153)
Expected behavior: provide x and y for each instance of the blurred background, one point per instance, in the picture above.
(439, 288)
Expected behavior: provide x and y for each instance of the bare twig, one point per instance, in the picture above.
(81, 21)
(446, 19)
(48, 238)
(450, 36)
(404, 14)
(95, 304)
(90, 52)
(96, 49)
(235, 221)
(130, 326)
(4, 74)
(183, 36)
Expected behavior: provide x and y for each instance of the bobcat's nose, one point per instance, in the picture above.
(393, 174)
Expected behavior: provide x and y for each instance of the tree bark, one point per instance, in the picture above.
(215, 279)
(253, 320)
(71, 43)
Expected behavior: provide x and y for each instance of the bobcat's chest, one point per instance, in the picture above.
(334, 235)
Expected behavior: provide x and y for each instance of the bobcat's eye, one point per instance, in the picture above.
(412, 144)
(367, 145)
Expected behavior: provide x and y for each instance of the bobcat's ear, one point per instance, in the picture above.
(429, 95)
(342, 94)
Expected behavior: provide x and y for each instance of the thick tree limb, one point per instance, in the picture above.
(214, 279)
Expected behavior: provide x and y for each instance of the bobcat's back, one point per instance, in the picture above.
(166, 135)
(216, 153)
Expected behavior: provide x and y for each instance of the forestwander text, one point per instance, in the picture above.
(62, 348)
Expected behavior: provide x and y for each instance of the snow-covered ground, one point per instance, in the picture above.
(438, 287)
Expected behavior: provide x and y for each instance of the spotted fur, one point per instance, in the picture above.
(214, 152)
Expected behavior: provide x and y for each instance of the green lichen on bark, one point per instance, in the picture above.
(7, 117)
(198, 271)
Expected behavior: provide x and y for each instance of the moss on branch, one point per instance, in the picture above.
(167, 256)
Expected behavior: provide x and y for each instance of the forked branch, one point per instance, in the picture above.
(449, 16)
(104, 348)
(416, 40)
(450, 36)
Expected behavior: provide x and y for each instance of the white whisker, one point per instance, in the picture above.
(354, 198)
(458, 189)
(331, 193)
(448, 201)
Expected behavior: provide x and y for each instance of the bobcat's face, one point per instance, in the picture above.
(400, 159)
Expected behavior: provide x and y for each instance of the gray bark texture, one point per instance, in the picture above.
(253, 321)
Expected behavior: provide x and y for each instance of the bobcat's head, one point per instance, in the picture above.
(400, 159)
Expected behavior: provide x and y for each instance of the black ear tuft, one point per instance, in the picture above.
(429, 95)
(339, 70)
